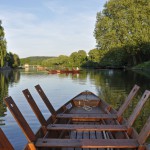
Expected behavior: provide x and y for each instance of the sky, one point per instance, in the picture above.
(49, 27)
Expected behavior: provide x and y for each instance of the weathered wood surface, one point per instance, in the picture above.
(138, 108)
(45, 99)
(4, 143)
(128, 100)
(20, 119)
(34, 107)
(79, 110)
(145, 132)
(87, 127)
(87, 116)
(87, 143)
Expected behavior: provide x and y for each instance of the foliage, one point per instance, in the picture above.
(145, 65)
(94, 57)
(114, 58)
(12, 60)
(78, 58)
(2, 46)
(36, 60)
(7, 59)
(124, 23)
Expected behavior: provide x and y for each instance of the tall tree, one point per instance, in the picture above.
(3, 51)
(124, 23)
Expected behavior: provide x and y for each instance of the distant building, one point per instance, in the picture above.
(26, 65)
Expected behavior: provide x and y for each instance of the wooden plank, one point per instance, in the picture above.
(30, 146)
(145, 132)
(128, 100)
(34, 107)
(20, 119)
(85, 127)
(79, 136)
(86, 135)
(87, 143)
(4, 142)
(138, 108)
(45, 99)
(73, 135)
(87, 116)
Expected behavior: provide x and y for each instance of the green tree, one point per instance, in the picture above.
(78, 58)
(82, 57)
(3, 51)
(124, 23)
(12, 60)
(94, 55)
(74, 58)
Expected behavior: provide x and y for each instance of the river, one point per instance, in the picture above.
(111, 85)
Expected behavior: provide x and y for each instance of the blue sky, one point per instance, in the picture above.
(49, 27)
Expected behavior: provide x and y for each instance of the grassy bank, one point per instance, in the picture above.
(143, 66)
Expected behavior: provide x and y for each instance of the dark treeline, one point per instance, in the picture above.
(7, 59)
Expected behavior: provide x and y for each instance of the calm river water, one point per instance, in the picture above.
(111, 85)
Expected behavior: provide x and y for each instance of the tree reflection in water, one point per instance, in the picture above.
(6, 77)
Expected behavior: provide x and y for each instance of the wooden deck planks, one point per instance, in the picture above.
(85, 127)
(87, 143)
(87, 116)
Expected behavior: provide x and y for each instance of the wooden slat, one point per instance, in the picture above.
(85, 127)
(145, 132)
(87, 116)
(79, 136)
(34, 107)
(138, 108)
(20, 119)
(4, 143)
(45, 99)
(30, 146)
(87, 143)
(128, 100)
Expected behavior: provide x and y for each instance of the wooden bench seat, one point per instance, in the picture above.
(87, 143)
(87, 116)
(87, 127)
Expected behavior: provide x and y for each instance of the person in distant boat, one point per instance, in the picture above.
(77, 68)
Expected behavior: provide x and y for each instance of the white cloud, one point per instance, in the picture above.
(31, 34)
(55, 7)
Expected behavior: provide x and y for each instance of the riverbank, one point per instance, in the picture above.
(143, 66)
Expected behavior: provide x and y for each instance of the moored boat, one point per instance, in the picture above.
(65, 71)
(85, 121)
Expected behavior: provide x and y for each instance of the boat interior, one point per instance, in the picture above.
(84, 122)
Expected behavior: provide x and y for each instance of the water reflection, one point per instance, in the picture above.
(6, 78)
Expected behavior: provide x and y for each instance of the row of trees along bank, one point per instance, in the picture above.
(77, 59)
(7, 59)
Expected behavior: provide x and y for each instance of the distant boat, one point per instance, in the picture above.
(73, 71)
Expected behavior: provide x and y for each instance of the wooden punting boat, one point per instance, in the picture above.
(73, 71)
(84, 122)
